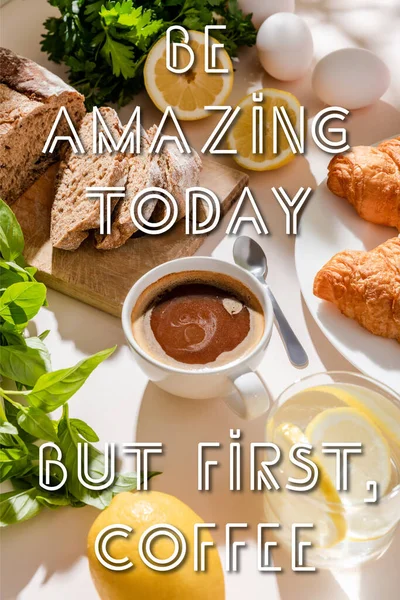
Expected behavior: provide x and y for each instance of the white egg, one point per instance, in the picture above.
(262, 9)
(285, 46)
(351, 78)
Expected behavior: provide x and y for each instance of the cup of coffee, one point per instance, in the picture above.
(198, 328)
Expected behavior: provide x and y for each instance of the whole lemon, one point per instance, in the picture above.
(140, 511)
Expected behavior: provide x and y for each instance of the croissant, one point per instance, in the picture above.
(365, 286)
(370, 180)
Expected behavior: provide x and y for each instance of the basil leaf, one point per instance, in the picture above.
(10, 455)
(18, 269)
(11, 414)
(52, 390)
(13, 463)
(11, 336)
(31, 272)
(21, 302)
(8, 440)
(11, 237)
(125, 482)
(44, 335)
(36, 343)
(8, 428)
(18, 506)
(33, 451)
(52, 500)
(8, 275)
(68, 442)
(37, 423)
(22, 484)
(25, 364)
(84, 430)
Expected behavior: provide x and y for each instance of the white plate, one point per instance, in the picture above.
(329, 225)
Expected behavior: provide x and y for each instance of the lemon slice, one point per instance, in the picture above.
(190, 92)
(240, 137)
(346, 425)
(366, 521)
(374, 406)
(321, 506)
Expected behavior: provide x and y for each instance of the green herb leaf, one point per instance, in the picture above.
(52, 500)
(7, 440)
(68, 442)
(120, 58)
(18, 506)
(14, 462)
(37, 423)
(7, 428)
(52, 390)
(84, 430)
(11, 237)
(10, 336)
(25, 364)
(21, 302)
(10, 455)
(126, 482)
(11, 272)
(44, 335)
(11, 414)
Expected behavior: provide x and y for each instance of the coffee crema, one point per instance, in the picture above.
(197, 319)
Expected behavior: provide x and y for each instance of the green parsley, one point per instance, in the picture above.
(105, 43)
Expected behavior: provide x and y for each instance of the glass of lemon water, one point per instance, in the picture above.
(339, 408)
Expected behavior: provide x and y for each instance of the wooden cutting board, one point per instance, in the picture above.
(103, 278)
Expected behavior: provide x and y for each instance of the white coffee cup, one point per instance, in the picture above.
(241, 387)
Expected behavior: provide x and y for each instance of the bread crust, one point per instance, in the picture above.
(27, 77)
(30, 98)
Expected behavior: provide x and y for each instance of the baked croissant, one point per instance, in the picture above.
(365, 286)
(370, 180)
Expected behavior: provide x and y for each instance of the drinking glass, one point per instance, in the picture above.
(349, 529)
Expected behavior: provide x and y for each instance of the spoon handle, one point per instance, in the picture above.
(295, 350)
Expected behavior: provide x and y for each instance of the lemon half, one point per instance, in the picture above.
(240, 137)
(190, 92)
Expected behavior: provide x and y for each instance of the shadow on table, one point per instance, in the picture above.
(330, 357)
(381, 578)
(53, 541)
(317, 585)
(180, 424)
(376, 579)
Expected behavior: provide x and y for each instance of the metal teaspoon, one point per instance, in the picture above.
(250, 256)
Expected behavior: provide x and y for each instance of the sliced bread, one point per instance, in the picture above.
(144, 172)
(30, 98)
(169, 170)
(179, 172)
(73, 213)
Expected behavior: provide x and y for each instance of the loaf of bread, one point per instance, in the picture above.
(30, 98)
(73, 213)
